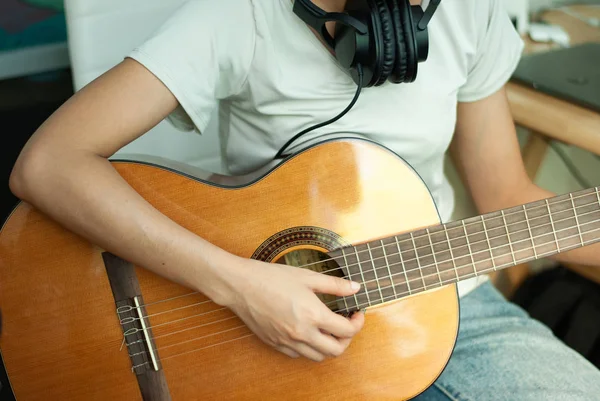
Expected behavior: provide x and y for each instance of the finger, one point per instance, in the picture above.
(307, 351)
(328, 345)
(324, 284)
(289, 352)
(358, 320)
(340, 326)
(345, 342)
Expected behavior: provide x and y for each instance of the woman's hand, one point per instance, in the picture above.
(278, 303)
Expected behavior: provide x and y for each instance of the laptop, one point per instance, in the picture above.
(571, 74)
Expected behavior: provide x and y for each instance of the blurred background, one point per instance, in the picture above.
(34, 75)
(51, 48)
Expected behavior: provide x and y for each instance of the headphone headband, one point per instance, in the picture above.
(433, 5)
(315, 17)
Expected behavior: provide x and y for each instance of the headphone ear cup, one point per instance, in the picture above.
(406, 64)
(400, 64)
(383, 33)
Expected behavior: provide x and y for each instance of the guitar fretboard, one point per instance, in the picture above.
(410, 263)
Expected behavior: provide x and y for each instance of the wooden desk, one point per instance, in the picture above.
(549, 118)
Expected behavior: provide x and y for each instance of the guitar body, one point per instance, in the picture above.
(62, 336)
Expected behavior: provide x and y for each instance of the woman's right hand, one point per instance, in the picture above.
(278, 303)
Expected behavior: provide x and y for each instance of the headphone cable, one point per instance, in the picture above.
(359, 70)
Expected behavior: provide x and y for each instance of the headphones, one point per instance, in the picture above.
(376, 40)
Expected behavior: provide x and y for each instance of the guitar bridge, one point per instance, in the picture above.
(137, 331)
(137, 335)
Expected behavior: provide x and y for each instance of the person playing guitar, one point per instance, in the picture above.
(276, 68)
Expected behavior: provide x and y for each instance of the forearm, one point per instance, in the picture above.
(488, 157)
(85, 194)
(63, 171)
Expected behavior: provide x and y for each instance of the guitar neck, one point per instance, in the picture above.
(421, 260)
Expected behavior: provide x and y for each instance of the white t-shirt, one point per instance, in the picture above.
(271, 78)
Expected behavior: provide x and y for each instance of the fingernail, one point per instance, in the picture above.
(355, 286)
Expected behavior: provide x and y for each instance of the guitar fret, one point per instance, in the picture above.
(576, 219)
(434, 258)
(552, 224)
(418, 261)
(375, 271)
(403, 265)
(451, 253)
(469, 247)
(488, 242)
(351, 279)
(363, 277)
(512, 252)
(530, 233)
(387, 263)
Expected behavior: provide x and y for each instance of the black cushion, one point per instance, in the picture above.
(388, 46)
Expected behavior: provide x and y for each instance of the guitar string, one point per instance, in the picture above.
(475, 274)
(494, 268)
(444, 241)
(133, 319)
(409, 292)
(125, 308)
(183, 330)
(167, 300)
(478, 221)
(129, 320)
(135, 330)
(480, 272)
(192, 340)
(210, 346)
(461, 246)
(423, 236)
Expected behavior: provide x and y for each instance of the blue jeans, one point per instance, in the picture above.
(502, 354)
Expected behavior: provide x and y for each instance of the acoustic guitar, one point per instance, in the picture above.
(82, 324)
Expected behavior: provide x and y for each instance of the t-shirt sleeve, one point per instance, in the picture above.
(202, 53)
(498, 51)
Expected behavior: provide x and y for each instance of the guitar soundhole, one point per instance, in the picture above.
(318, 262)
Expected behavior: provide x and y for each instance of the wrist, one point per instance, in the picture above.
(222, 278)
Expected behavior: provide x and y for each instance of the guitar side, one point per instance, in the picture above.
(61, 335)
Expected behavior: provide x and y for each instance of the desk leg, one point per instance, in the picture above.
(534, 151)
